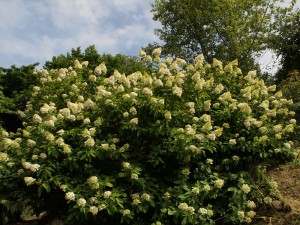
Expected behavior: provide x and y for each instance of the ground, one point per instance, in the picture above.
(288, 178)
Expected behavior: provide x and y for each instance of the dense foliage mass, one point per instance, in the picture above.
(15, 90)
(227, 29)
(287, 45)
(185, 144)
(290, 88)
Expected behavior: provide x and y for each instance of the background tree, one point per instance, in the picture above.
(15, 88)
(227, 30)
(120, 62)
(287, 45)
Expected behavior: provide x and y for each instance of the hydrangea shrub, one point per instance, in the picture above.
(185, 144)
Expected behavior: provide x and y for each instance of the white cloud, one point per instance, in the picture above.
(37, 30)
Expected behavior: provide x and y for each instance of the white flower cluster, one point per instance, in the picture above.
(29, 180)
(93, 182)
(70, 196)
(29, 166)
(186, 208)
(219, 183)
(193, 107)
(3, 157)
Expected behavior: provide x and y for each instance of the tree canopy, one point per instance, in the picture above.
(122, 63)
(287, 42)
(227, 30)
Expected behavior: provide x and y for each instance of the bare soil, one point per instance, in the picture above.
(288, 178)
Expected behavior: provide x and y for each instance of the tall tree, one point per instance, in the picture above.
(225, 29)
(287, 46)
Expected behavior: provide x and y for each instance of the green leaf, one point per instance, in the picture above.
(46, 186)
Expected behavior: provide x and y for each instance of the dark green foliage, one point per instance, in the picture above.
(288, 44)
(3, 215)
(15, 90)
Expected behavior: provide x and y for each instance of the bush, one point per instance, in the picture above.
(186, 144)
(290, 88)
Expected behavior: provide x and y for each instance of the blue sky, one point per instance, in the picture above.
(35, 30)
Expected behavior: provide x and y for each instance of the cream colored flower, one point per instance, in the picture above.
(94, 210)
(209, 161)
(180, 62)
(100, 69)
(241, 214)
(67, 149)
(85, 63)
(81, 202)
(245, 188)
(156, 52)
(101, 207)
(134, 176)
(177, 91)
(268, 200)
(3, 157)
(219, 183)
(77, 64)
(251, 204)
(107, 194)
(142, 53)
(34, 167)
(183, 206)
(251, 214)
(211, 136)
(146, 197)
(105, 146)
(126, 165)
(50, 137)
(89, 104)
(219, 88)
(217, 63)
(186, 171)
(29, 180)
(195, 190)
(232, 141)
(202, 211)
(49, 123)
(134, 121)
(158, 83)
(37, 119)
(89, 142)
(31, 143)
(70, 196)
(126, 212)
(133, 111)
(168, 115)
(60, 141)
